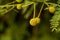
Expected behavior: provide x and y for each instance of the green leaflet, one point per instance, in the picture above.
(55, 20)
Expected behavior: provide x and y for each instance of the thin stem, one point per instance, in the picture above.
(15, 10)
(34, 10)
(16, 4)
(11, 2)
(6, 5)
(27, 4)
(54, 3)
(8, 10)
(41, 10)
(46, 4)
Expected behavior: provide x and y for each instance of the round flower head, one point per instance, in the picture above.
(33, 22)
(51, 9)
(19, 6)
(18, 1)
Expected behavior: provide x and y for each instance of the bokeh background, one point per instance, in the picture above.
(15, 25)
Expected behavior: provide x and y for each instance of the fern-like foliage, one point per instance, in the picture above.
(55, 20)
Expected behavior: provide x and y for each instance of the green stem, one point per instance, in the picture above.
(11, 2)
(7, 5)
(46, 4)
(8, 10)
(34, 10)
(54, 3)
(27, 4)
(16, 4)
(15, 10)
(41, 10)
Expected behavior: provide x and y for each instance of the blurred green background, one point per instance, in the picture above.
(15, 25)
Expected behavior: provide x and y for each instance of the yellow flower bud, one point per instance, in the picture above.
(19, 6)
(18, 1)
(37, 19)
(51, 9)
(33, 22)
